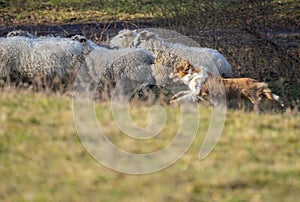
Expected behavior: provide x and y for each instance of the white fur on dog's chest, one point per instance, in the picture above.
(195, 80)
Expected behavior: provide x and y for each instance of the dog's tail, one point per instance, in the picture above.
(273, 97)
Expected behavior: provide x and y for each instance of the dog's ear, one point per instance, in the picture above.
(186, 65)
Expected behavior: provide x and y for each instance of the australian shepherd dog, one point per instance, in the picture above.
(202, 84)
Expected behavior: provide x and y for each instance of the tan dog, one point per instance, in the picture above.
(203, 83)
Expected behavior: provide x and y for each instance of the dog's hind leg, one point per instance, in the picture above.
(255, 100)
(205, 99)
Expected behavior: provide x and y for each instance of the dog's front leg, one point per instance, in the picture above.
(187, 98)
(180, 94)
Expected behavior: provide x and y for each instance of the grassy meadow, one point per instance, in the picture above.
(256, 159)
(42, 159)
(83, 11)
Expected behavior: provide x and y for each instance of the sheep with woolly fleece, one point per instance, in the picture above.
(62, 58)
(50, 58)
(28, 55)
(122, 70)
(169, 55)
(107, 69)
(133, 39)
(43, 55)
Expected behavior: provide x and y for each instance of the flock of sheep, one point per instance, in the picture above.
(133, 59)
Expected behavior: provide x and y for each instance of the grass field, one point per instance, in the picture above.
(42, 159)
(256, 159)
(67, 11)
(75, 11)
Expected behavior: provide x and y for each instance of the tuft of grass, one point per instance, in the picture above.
(256, 159)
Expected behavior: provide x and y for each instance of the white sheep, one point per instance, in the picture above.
(43, 62)
(43, 55)
(122, 70)
(167, 53)
(68, 58)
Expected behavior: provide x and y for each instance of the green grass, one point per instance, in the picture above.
(42, 158)
(54, 11)
(75, 11)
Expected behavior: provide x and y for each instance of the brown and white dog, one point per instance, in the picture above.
(203, 83)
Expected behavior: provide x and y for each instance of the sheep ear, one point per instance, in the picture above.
(133, 33)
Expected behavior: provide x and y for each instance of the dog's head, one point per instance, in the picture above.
(183, 70)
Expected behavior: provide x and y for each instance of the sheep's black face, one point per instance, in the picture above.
(79, 38)
(145, 88)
